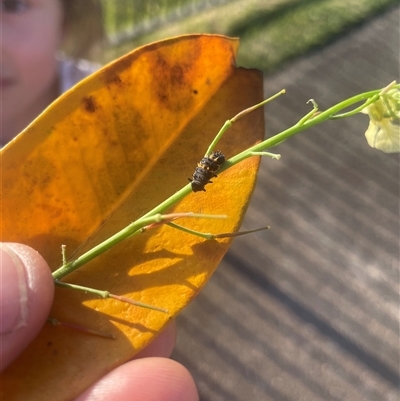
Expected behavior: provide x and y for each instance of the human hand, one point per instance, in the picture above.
(26, 294)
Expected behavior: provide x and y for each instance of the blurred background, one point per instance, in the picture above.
(310, 309)
(271, 31)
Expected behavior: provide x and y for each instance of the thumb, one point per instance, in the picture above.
(26, 296)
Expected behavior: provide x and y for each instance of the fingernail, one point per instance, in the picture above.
(13, 291)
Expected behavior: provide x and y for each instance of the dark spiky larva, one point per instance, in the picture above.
(206, 169)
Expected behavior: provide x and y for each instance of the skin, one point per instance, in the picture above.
(31, 34)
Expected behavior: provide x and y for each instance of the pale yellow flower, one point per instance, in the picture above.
(383, 132)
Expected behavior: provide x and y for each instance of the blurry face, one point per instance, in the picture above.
(31, 32)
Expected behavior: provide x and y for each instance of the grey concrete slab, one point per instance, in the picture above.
(310, 310)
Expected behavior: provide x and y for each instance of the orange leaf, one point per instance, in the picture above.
(101, 156)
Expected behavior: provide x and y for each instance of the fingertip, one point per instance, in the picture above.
(162, 346)
(27, 290)
(147, 379)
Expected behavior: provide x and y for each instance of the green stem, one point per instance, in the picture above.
(126, 232)
(311, 119)
(357, 109)
(229, 123)
(305, 123)
(210, 236)
(134, 228)
(221, 132)
(189, 231)
(107, 294)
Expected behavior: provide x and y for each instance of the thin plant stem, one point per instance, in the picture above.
(313, 118)
(238, 116)
(130, 230)
(107, 294)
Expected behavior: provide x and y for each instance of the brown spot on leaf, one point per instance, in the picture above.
(114, 79)
(89, 104)
(177, 74)
(111, 74)
(173, 83)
